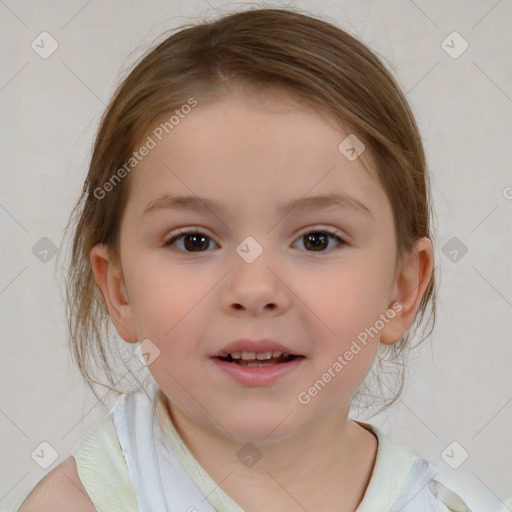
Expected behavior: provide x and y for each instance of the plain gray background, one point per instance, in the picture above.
(460, 383)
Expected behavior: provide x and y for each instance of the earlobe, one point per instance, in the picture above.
(411, 283)
(110, 281)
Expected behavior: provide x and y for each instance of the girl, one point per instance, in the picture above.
(255, 221)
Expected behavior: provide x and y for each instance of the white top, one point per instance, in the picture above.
(125, 459)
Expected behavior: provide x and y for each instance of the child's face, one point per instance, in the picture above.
(253, 154)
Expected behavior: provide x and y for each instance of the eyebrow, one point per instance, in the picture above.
(203, 204)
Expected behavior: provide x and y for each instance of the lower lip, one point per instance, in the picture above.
(258, 375)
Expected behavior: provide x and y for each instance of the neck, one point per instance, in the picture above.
(326, 467)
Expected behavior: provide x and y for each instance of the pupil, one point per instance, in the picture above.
(194, 242)
(195, 238)
(316, 245)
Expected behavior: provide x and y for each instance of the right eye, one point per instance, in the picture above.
(193, 240)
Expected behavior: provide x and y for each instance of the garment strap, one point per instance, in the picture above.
(159, 479)
(102, 469)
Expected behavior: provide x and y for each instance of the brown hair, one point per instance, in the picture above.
(313, 60)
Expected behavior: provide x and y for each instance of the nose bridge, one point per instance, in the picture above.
(253, 258)
(253, 280)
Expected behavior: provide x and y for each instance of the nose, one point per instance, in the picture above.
(255, 288)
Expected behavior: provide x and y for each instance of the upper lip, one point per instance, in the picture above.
(258, 346)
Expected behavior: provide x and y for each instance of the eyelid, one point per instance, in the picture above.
(327, 229)
(334, 232)
(185, 231)
(188, 229)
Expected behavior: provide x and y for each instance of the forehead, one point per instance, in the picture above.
(248, 150)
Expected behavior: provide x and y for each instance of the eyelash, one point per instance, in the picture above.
(188, 231)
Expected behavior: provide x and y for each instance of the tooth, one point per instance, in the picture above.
(264, 355)
(285, 354)
(255, 364)
(235, 355)
(248, 355)
(276, 354)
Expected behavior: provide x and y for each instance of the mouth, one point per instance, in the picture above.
(258, 369)
(254, 359)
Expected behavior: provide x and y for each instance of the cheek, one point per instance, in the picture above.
(347, 299)
(161, 299)
(169, 308)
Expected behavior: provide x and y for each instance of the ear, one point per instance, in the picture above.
(410, 285)
(110, 280)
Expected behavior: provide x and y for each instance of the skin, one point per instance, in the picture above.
(255, 151)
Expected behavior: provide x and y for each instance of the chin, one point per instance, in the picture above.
(260, 427)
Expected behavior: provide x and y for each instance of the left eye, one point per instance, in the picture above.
(319, 240)
(195, 241)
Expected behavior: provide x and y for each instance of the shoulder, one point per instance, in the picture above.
(94, 477)
(422, 492)
(60, 490)
(404, 482)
